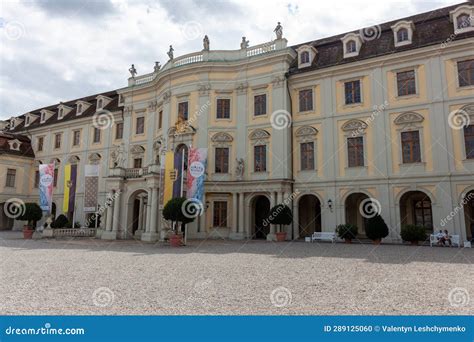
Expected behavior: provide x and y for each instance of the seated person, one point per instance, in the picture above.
(447, 238)
(440, 237)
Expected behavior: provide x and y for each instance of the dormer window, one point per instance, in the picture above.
(351, 43)
(306, 55)
(14, 144)
(43, 117)
(79, 108)
(27, 121)
(461, 18)
(403, 33)
(100, 104)
(61, 113)
(463, 21)
(351, 46)
(102, 101)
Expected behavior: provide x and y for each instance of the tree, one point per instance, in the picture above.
(376, 228)
(176, 211)
(32, 214)
(346, 231)
(280, 214)
(413, 233)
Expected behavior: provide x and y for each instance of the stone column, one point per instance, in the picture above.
(141, 209)
(148, 203)
(296, 229)
(242, 229)
(108, 222)
(113, 213)
(235, 234)
(273, 199)
(151, 235)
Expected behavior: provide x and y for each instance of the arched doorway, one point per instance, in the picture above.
(137, 211)
(353, 211)
(261, 211)
(309, 215)
(6, 222)
(468, 203)
(415, 208)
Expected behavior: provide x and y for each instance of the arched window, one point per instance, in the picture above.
(304, 57)
(351, 46)
(79, 108)
(463, 21)
(99, 104)
(402, 35)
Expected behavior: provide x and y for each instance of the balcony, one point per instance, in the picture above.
(130, 173)
(211, 56)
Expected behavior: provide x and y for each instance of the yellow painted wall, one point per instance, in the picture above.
(452, 82)
(365, 93)
(392, 90)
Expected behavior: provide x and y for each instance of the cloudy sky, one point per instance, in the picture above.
(58, 50)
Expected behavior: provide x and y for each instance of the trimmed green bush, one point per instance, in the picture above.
(60, 222)
(376, 228)
(32, 214)
(281, 215)
(346, 231)
(174, 211)
(413, 233)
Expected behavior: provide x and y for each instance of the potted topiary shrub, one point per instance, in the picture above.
(376, 229)
(31, 214)
(347, 232)
(173, 211)
(60, 222)
(280, 215)
(413, 234)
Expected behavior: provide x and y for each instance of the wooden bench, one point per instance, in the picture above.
(326, 236)
(455, 240)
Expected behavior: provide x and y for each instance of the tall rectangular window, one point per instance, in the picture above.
(306, 100)
(352, 92)
(137, 163)
(466, 73)
(76, 138)
(119, 130)
(260, 104)
(307, 156)
(260, 158)
(37, 178)
(411, 147)
(406, 83)
(355, 151)
(160, 119)
(220, 214)
(140, 127)
(469, 141)
(11, 178)
(96, 135)
(57, 140)
(40, 144)
(223, 109)
(222, 160)
(56, 176)
(183, 110)
(423, 215)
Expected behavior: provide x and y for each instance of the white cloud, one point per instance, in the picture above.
(73, 49)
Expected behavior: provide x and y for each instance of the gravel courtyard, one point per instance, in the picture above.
(88, 276)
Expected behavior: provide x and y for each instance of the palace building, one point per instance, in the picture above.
(383, 114)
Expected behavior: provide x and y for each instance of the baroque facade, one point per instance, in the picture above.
(383, 116)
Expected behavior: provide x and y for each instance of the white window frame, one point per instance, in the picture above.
(358, 41)
(466, 10)
(409, 26)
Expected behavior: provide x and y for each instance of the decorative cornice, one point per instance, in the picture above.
(408, 118)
